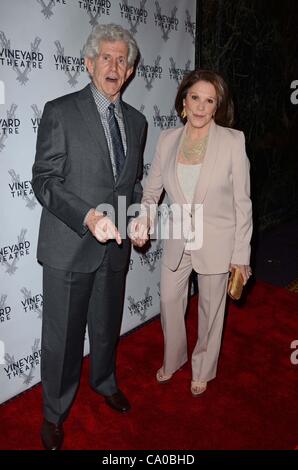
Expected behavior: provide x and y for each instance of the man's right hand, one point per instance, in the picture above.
(101, 227)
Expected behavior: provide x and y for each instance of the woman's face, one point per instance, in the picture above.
(200, 104)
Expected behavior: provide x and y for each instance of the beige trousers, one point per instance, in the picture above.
(211, 309)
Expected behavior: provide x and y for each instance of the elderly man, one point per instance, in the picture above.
(88, 154)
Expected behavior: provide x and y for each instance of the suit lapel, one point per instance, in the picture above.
(208, 165)
(174, 150)
(87, 107)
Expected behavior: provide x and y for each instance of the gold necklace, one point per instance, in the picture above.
(194, 151)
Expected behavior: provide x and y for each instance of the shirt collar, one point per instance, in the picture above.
(103, 102)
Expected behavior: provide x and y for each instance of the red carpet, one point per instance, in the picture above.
(252, 404)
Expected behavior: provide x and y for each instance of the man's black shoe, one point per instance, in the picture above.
(52, 435)
(118, 402)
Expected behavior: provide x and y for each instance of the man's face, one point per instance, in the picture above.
(109, 70)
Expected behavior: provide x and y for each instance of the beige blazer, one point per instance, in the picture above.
(223, 189)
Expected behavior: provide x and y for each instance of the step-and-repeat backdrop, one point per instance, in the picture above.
(41, 44)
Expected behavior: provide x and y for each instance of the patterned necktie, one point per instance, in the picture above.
(117, 143)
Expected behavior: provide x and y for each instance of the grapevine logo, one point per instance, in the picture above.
(190, 26)
(146, 168)
(177, 74)
(139, 307)
(35, 120)
(32, 303)
(142, 107)
(95, 8)
(150, 258)
(47, 7)
(21, 189)
(164, 121)
(72, 66)
(22, 61)
(25, 367)
(10, 255)
(150, 72)
(134, 15)
(9, 125)
(5, 310)
(164, 22)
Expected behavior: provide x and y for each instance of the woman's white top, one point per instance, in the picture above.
(188, 176)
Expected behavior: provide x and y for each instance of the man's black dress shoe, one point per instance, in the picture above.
(118, 402)
(52, 435)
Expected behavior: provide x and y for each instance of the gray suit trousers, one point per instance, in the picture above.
(72, 300)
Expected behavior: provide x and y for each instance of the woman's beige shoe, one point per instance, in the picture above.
(161, 377)
(197, 388)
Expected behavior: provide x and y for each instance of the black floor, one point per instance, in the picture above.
(275, 257)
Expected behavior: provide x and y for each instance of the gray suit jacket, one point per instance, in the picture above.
(73, 172)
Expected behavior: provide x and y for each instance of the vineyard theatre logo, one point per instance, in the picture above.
(164, 121)
(190, 26)
(10, 255)
(150, 72)
(47, 6)
(164, 22)
(22, 189)
(150, 258)
(5, 310)
(32, 303)
(22, 61)
(134, 15)
(95, 9)
(72, 66)
(35, 120)
(158, 289)
(25, 367)
(142, 107)
(9, 125)
(139, 307)
(146, 169)
(177, 74)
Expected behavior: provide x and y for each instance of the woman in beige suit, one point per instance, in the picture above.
(204, 170)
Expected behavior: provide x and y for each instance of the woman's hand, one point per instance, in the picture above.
(138, 230)
(244, 269)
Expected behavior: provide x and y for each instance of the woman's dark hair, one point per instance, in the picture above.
(224, 115)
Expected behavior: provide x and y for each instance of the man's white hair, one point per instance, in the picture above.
(110, 32)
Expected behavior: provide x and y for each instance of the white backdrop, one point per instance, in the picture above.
(41, 44)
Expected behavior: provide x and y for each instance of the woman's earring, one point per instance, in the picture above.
(183, 114)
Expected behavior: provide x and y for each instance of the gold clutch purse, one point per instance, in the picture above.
(235, 284)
